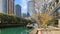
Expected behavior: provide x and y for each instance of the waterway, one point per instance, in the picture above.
(15, 30)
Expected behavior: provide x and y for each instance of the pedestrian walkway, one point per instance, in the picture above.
(49, 32)
(45, 32)
(33, 31)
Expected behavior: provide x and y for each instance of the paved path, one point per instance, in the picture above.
(45, 32)
(55, 32)
(33, 31)
(50, 32)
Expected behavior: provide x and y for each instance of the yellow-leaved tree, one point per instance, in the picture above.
(45, 18)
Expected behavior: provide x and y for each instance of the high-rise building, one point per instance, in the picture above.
(7, 6)
(4, 6)
(1, 7)
(28, 14)
(24, 15)
(10, 6)
(18, 10)
(30, 7)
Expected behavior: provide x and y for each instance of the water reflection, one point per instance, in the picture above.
(16, 30)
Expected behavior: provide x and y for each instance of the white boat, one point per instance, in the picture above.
(29, 26)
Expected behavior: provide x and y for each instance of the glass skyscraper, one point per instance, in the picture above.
(30, 7)
(18, 10)
(0, 5)
(4, 6)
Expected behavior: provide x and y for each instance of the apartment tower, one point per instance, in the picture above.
(7, 6)
(10, 6)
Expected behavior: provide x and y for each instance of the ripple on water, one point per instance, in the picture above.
(15, 30)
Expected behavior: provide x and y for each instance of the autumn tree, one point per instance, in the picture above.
(45, 18)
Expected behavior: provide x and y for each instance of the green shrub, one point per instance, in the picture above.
(12, 19)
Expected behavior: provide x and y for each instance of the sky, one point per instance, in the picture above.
(23, 4)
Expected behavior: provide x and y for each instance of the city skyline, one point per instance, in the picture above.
(23, 4)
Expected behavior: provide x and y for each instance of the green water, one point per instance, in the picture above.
(15, 30)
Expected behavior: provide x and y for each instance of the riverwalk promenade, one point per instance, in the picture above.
(48, 31)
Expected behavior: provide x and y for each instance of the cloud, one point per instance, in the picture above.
(23, 4)
(24, 9)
